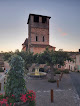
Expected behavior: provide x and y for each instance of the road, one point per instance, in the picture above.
(75, 76)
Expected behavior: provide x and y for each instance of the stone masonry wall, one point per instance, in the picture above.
(39, 49)
(38, 29)
(40, 33)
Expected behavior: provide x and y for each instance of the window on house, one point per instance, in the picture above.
(59, 66)
(44, 19)
(36, 18)
(43, 38)
(36, 38)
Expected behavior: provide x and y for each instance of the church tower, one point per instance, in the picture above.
(38, 29)
(38, 33)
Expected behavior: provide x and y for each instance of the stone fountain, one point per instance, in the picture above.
(37, 74)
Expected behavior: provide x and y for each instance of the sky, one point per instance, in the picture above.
(64, 23)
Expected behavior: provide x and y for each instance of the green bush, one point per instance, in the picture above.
(66, 71)
(52, 81)
(7, 55)
(1, 96)
(32, 103)
(1, 70)
(57, 72)
(33, 70)
(15, 81)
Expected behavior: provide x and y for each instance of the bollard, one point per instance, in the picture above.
(52, 95)
(0, 86)
(61, 75)
(58, 83)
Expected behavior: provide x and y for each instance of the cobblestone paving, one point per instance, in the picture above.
(76, 81)
(65, 95)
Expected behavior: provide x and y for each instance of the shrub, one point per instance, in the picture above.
(57, 72)
(66, 71)
(29, 96)
(15, 81)
(1, 70)
(33, 70)
(15, 89)
(52, 81)
(1, 96)
(7, 55)
(32, 103)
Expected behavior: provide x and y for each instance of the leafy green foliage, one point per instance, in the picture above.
(66, 71)
(27, 56)
(1, 96)
(32, 103)
(7, 55)
(1, 70)
(57, 72)
(11, 100)
(15, 81)
(52, 58)
(52, 81)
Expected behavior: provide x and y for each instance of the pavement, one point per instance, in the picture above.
(2, 76)
(65, 95)
(76, 81)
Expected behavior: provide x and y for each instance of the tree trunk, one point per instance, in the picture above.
(52, 72)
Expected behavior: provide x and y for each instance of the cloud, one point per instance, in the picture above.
(61, 32)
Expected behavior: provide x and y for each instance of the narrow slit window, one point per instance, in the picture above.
(43, 38)
(36, 38)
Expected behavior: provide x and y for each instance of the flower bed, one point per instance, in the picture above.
(27, 99)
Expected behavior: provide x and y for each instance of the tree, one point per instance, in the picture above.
(28, 58)
(52, 58)
(15, 81)
(7, 55)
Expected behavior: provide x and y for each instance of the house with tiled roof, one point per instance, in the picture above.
(73, 65)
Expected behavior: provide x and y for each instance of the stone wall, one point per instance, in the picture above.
(39, 49)
(38, 29)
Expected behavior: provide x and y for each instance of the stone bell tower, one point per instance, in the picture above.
(38, 33)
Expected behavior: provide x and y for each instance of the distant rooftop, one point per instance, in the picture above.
(37, 15)
(25, 42)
